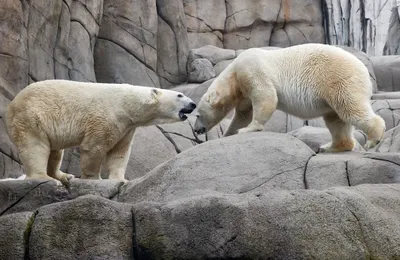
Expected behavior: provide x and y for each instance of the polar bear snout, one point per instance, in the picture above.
(199, 127)
(187, 110)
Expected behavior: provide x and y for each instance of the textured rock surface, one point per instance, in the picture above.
(259, 195)
(387, 71)
(88, 227)
(200, 70)
(275, 23)
(370, 26)
(14, 233)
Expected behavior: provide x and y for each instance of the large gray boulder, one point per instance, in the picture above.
(200, 70)
(336, 223)
(88, 227)
(249, 163)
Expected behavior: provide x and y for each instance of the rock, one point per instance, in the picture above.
(390, 142)
(367, 62)
(386, 95)
(389, 110)
(152, 146)
(363, 25)
(172, 43)
(123, 69)
(198, 40)
(29, 195)
(351, 169)
(205, 19)
(314, 137)
(338, 223)
(272, 23)
(211, 53)
(387, 71)
(14, 233)
(200, 70)
(126, 49)
(89, 227)
(393, 36)
(256, 162)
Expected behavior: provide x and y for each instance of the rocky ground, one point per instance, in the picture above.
(266, 195)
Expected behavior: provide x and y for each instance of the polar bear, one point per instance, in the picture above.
(307, 81)
(49, 116)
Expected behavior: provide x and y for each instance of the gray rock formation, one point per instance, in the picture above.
(200, 70)
(275, 201)
(387, 72)
(369, 26)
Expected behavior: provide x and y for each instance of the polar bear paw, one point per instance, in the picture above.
(251, 128)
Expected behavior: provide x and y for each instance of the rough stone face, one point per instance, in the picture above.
(250, 166)
(205, 20)
(387, 71)
(368, 26)
(386, 95)
(87, 227)
(272, 23)
(389, 110)
(172, 42)
(126, 51)
(29, 195)
(235, 227)
(200, 70)
(14, 233)
(393, 36)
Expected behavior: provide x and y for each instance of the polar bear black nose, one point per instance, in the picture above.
(192, 105)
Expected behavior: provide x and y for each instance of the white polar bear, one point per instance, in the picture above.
(49, 116)
(307, 81)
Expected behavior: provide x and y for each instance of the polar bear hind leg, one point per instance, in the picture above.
(53, 167)
(341, 132)
(34, 157)
(118, 157)
(355, 108)
(264, 103)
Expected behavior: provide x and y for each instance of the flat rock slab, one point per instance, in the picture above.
(14, 234)
(29, 195)
(89, 227)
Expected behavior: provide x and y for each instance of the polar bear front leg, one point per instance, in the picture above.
(53, 167)
(243, 116)
(118, 157)
(92, 156)
(264, 104)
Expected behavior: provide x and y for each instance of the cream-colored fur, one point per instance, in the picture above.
(49, 116)
(307, 81)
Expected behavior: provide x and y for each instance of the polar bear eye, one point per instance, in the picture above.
(180, 95)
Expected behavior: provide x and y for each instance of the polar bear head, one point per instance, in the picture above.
(171, 106)
(210, 111)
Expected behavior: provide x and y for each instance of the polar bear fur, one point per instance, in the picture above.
(49, 116)
(307, 81)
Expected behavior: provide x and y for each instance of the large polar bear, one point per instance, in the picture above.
(307, 81)
(49, 116)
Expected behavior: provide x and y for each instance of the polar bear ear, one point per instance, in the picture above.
(155, 93)
(212, 96)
